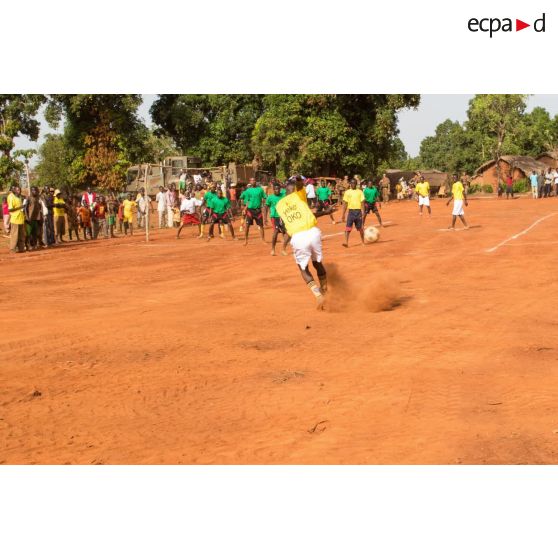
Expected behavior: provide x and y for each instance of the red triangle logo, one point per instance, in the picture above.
(519, 25)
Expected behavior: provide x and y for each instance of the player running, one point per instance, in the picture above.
(459, 197)
(221, 213)
(325, 206)
(371, 202)
(189, 212)
(276, 222)
(353, 200)
(306, 238)
(253, 198)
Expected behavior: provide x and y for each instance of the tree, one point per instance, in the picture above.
(453, 148)
(535, 133)
(101, 133)
(53, 166)
(17, 118)
(217, 128)
(26, 155)
(495, 117)
(328, 134)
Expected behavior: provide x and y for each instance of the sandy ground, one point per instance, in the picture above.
(432, 350)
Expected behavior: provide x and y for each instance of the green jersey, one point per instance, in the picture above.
(253, 197)
(219, 205)
(371, 195)
(323, 193)
(208, 197)
(272, 202)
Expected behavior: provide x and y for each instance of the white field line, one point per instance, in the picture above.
(524, 231)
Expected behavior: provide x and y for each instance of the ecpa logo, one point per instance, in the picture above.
(495, 24)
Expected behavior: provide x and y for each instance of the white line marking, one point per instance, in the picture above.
(451, 230)
(494, 248)
(330, 235)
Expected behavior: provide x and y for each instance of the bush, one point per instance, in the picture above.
(521, 186)
(487, 189)
(474, 188)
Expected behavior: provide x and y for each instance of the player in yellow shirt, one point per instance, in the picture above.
(459, 197)
(306, 239)
(128, 206)
(353, 200)
(423, 192)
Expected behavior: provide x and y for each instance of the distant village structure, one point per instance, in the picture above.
(518, 166)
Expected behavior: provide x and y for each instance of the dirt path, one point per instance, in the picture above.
(194, 352)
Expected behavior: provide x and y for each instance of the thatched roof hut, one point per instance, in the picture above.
(518, 166)
(549, 158)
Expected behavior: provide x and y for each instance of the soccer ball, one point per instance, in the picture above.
(371, 234)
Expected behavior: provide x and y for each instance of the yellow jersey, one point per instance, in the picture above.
(423, 189)
(295, 213)
(59, 211)
(353, 198)
(16, 217)
(129, 207)
(457, 190)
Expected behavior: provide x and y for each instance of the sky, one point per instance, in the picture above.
(414, 125)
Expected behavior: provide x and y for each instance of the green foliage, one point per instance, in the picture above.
(217, 128)
(53, 166)
(521, 186)
(17, 118)
(497, 125)
(329, 134)
(102, 134)
(313, 134)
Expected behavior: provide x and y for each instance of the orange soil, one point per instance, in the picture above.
(194, 352)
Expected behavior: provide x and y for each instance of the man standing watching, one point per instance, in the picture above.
(170, 198)
(59, 206)
(161, 200)
(34, 220)
(534, 181)
(386, 187)
(16, 206)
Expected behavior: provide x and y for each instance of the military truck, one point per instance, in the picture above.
(169, 170)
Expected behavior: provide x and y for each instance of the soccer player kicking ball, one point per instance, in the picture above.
(353, 200)
(423, 192)
(221, 213)
(253, 198)
(306, 238)
(276, 222)
(371, 202)
(459, 199)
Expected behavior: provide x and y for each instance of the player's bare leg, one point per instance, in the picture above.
(346, 243)
(361, 232)
(314, 288)
(274, 241)
(286, 239)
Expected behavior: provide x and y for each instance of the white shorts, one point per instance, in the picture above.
(457, 207)
(307, 245)
(424, 200)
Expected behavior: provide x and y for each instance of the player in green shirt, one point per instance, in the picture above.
(276, 221)
(371, 201)
(221, 213)
(253, 199)
(324, 201)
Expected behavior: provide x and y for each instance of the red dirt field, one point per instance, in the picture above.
(431, 350)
